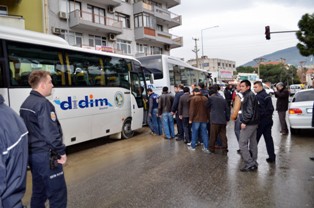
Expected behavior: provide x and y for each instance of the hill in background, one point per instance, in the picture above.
(292, 56)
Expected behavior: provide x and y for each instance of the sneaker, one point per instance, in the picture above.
(191, 148)
(189, 143)
(152, 133)
(206, 151)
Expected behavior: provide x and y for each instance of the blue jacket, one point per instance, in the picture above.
(14, 156)
(42, 123)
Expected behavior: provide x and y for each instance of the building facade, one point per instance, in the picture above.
(221, 69)
(130, 27)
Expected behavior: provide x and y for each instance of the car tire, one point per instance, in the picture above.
(127, 132)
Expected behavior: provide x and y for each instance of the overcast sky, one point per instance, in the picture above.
(240, 35)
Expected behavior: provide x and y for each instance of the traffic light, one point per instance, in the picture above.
(267, 32)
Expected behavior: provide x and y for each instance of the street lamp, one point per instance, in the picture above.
(202, 36)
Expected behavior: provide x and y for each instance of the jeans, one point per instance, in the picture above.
(155, 121)
(168, 125)
(203, 127)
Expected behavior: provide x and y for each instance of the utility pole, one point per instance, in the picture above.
(196, 50)
(258, 61)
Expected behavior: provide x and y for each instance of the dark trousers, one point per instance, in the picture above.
(283, 123)
(264, 128)
(187, 129)
(179, 127)
(47, 184)
(215, 130)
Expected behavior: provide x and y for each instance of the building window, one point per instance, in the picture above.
(143, 20)
(74, 39)
(155, 50)
(127, 1)
(96, 41)
(125, 19)
(74, 5)
(95, 14)
(124, 46)
(160, 28)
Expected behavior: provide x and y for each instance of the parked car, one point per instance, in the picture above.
(295, 88)
(301, 110)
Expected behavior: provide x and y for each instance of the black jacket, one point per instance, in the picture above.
(175, 104)
(249, 108)
(282, 99)
(42, 123)
(265, 105)
(218, 109)
(14, 156)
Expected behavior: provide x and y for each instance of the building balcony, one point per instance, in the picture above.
(87, 21)
(150, 35)
(170, 3)
(166, 17)
(114, 3)
(12, 21)
(163, 16)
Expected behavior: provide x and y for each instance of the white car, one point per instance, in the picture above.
(301, 110)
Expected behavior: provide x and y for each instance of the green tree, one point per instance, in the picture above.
(306, 35)
(245, 69)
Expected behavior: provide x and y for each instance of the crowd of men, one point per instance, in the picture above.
(202, 116)
(35, 138)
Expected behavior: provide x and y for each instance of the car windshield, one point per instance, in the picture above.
(304, 96)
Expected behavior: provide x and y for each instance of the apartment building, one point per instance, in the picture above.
(130, 27)
(220, 69)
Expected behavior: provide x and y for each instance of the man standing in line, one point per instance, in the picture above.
(249, 121)
(165, 102)
(198, 117)
(218, 119)
(174, 109)
(153, 120)
(183, 111)
(13, 160)
(265, 109)
(46, 148)
(282, 95)
(236, 114)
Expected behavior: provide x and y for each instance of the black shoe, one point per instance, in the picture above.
(239, 151)
(311, 158)
(179, 139)
(270, 160)
(248, 168)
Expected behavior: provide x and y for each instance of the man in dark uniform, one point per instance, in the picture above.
(265, 123)
(174, 111)
(14, 154)
(46, 148)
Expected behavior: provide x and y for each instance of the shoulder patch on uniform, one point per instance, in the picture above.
(53, 116)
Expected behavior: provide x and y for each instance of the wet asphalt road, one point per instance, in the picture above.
(148, 171)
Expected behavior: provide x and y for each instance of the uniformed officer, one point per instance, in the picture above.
(45, 137)
(13, 159)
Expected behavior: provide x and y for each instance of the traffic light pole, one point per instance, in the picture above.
(267, 32)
